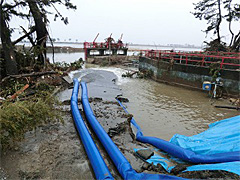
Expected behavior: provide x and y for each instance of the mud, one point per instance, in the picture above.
(115, 122)
(210, 175)
(49, 152)
(54, 151)
(150, 168)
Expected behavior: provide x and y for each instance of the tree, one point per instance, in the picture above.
(210, 10)
(214, 12)
(41, 30)
(9, 55)
(233, 15)
(38, 13)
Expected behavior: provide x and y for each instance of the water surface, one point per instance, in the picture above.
(162, 110)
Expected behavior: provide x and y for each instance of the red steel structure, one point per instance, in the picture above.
(102, 46)
(227, 60)
(118, 45)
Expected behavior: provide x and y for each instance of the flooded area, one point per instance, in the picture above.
(104, 101)
(66, 57)
(133, 50)
(54, 151)
(163, 110)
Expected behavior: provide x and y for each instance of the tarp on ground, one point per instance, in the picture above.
(222, 136)
(233, 167)
(220, 144)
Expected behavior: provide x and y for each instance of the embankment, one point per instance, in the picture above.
(189, 75)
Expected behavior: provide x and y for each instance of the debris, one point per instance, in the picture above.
(179, 168)
(122, 99)
(19, 92)
(145, 153)
(68, 79)
(117, 130)
(129, 74)
(96, 99)
(2, 99)
(29, 75)
(21, 116)
(235, 101)
(228, 107)
(146, 166)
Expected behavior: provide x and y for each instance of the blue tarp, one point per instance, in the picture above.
(219, 144)
(157, 159)
(221, 137)
(233, 167)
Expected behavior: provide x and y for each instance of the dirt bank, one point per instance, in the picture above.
(49, 152)
(54, 151)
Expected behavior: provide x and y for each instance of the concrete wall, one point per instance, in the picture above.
(189, 75)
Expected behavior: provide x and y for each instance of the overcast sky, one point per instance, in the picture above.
(140, 21)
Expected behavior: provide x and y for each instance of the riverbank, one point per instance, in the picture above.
(53, 150)
(194, 70)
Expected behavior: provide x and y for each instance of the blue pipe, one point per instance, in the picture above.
(100, 168)
(180, 152)
(121, 163)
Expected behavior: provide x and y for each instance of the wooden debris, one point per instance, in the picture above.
(19, 92)
(68, 79)
(29, 75)
(228, 107)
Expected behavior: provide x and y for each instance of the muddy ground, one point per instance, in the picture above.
(54, 151)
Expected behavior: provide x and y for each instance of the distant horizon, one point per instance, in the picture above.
(140, 21)
(129, 43)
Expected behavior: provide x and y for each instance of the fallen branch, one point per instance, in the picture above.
(228, 107)
(19, 92)
(27, 34)
(29, 75)
(128, 74)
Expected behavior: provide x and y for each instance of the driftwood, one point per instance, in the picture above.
(130, 74)
(228, 107)
(20, 91)
(29, 75)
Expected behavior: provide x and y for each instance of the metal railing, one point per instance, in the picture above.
(225, 60)
(104, 45)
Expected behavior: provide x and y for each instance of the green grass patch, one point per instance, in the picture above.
(20, 116)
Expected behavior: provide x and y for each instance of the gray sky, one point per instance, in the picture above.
(140, 21)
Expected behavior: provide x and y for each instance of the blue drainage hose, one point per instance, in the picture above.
(180, 152)
(121, 163)
(100, 169)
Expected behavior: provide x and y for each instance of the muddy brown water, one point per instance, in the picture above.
(163, 110)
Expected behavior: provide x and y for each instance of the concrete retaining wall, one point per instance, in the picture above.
(190, 75)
